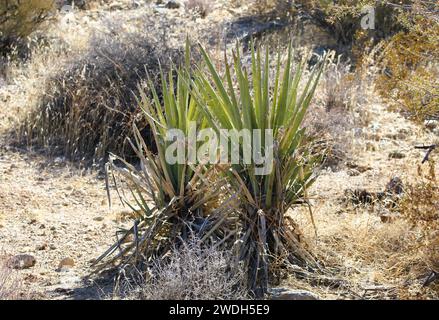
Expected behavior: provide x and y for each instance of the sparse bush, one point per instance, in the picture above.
(409, 30)
(331, 120)
(191, 272)
(343, 18)
(89, 107)
(420, 206)
(18, 19)
(410, 71)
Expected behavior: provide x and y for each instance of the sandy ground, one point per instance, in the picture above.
(52, 211)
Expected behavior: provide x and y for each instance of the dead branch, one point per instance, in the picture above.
(428, 152)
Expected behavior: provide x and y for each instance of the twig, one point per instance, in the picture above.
(429, 150)
(431, 278)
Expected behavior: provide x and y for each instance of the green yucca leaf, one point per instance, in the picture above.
(254, 105)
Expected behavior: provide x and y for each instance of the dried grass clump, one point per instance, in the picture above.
(339, 108)
(376, 260)
(420, 207)
(89, 107)
(18, 19)
(191, 272)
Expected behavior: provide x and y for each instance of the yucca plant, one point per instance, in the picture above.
(173, 201)
(268, 239)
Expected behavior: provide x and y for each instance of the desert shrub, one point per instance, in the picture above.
(420, 207)
(191, 272)
(19, 18)
(192, 198)
(343, 18)
(89, 107)
(409, 34)
(410, 71)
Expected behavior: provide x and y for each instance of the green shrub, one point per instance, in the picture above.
(408, 30)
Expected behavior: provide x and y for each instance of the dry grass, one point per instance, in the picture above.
(410, 71)
(374, 259)
(191, 272)
(339, 110)
(420, 208)
(88, 106)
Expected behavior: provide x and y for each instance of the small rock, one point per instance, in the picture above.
(291, 294)
(98, 218)
(66, 291)
(353, 172)
(403, 133)
(66, 263)
(42, 247)
(396, 155)
(21, 261)
(172, 4)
